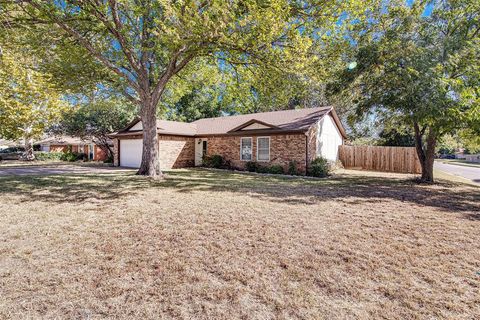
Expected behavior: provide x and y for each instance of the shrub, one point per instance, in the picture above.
(82, 156)
(72, 156)
(319, 167)
(276, 169)
(68, 156)
(108, 160)
(45, 156)
(292, 168)
(226, 164)
(262, 169)
(251, 166)
(213, 161)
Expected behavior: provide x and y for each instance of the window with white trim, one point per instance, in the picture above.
(263, 149)
(246, 149)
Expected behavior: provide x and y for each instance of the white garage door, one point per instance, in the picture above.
(131, 153)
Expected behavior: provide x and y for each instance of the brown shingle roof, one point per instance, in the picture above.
(64, 140)
(298, 120)
(175, 127)
(288, 120)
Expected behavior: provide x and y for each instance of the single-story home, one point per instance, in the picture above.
(74, 144)
(277, 137)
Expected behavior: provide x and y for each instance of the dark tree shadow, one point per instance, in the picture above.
(353, 189)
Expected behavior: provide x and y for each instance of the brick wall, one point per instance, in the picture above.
(283, 149)
(179, 152)
(176, 152)
(100, 154)
(58, 148)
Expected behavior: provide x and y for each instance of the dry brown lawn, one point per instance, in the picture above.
(216, 245)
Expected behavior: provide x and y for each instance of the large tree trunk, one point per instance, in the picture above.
(28, 154)
(426, 154)
(150, 165)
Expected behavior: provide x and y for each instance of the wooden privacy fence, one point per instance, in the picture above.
(390, 159)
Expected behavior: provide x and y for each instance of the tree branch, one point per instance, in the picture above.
(117, 32)
(172, 69)
(86, 43)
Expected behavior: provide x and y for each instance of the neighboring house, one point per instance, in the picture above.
(270, 137)
(74, 144)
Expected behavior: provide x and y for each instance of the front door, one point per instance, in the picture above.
(201, 146)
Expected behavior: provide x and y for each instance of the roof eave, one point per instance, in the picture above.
(338, 122)
(199, 135)
(140, 132)
(130, 125)
(254, 132)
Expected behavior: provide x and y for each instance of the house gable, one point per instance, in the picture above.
(137, 126)
(253, 124)
(328, 138)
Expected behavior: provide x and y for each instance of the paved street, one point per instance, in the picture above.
(470, 173)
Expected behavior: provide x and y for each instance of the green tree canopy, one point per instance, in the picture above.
(28, 101)
(141, 47)
(420, 70)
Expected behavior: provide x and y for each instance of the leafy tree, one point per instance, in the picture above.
(420, 70)
(202, 92)
(396, 137)
(448, 144)
(199, 103)
(144, 45)
(470, 140)
(28, 101)
(96, 119)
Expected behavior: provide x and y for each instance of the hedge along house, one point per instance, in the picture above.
(269, 138)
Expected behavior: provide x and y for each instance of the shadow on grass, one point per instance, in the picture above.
(75, 187)
(351, 189)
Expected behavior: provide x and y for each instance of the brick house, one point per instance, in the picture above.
(64, 143)
(276, 137)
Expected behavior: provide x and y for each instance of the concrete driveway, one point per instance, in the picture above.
(470, 173)
(50, 169)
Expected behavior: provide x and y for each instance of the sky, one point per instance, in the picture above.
(428, 9)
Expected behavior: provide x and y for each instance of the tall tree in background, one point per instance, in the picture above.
(144, 44)
(28, 101)
(419, 69)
